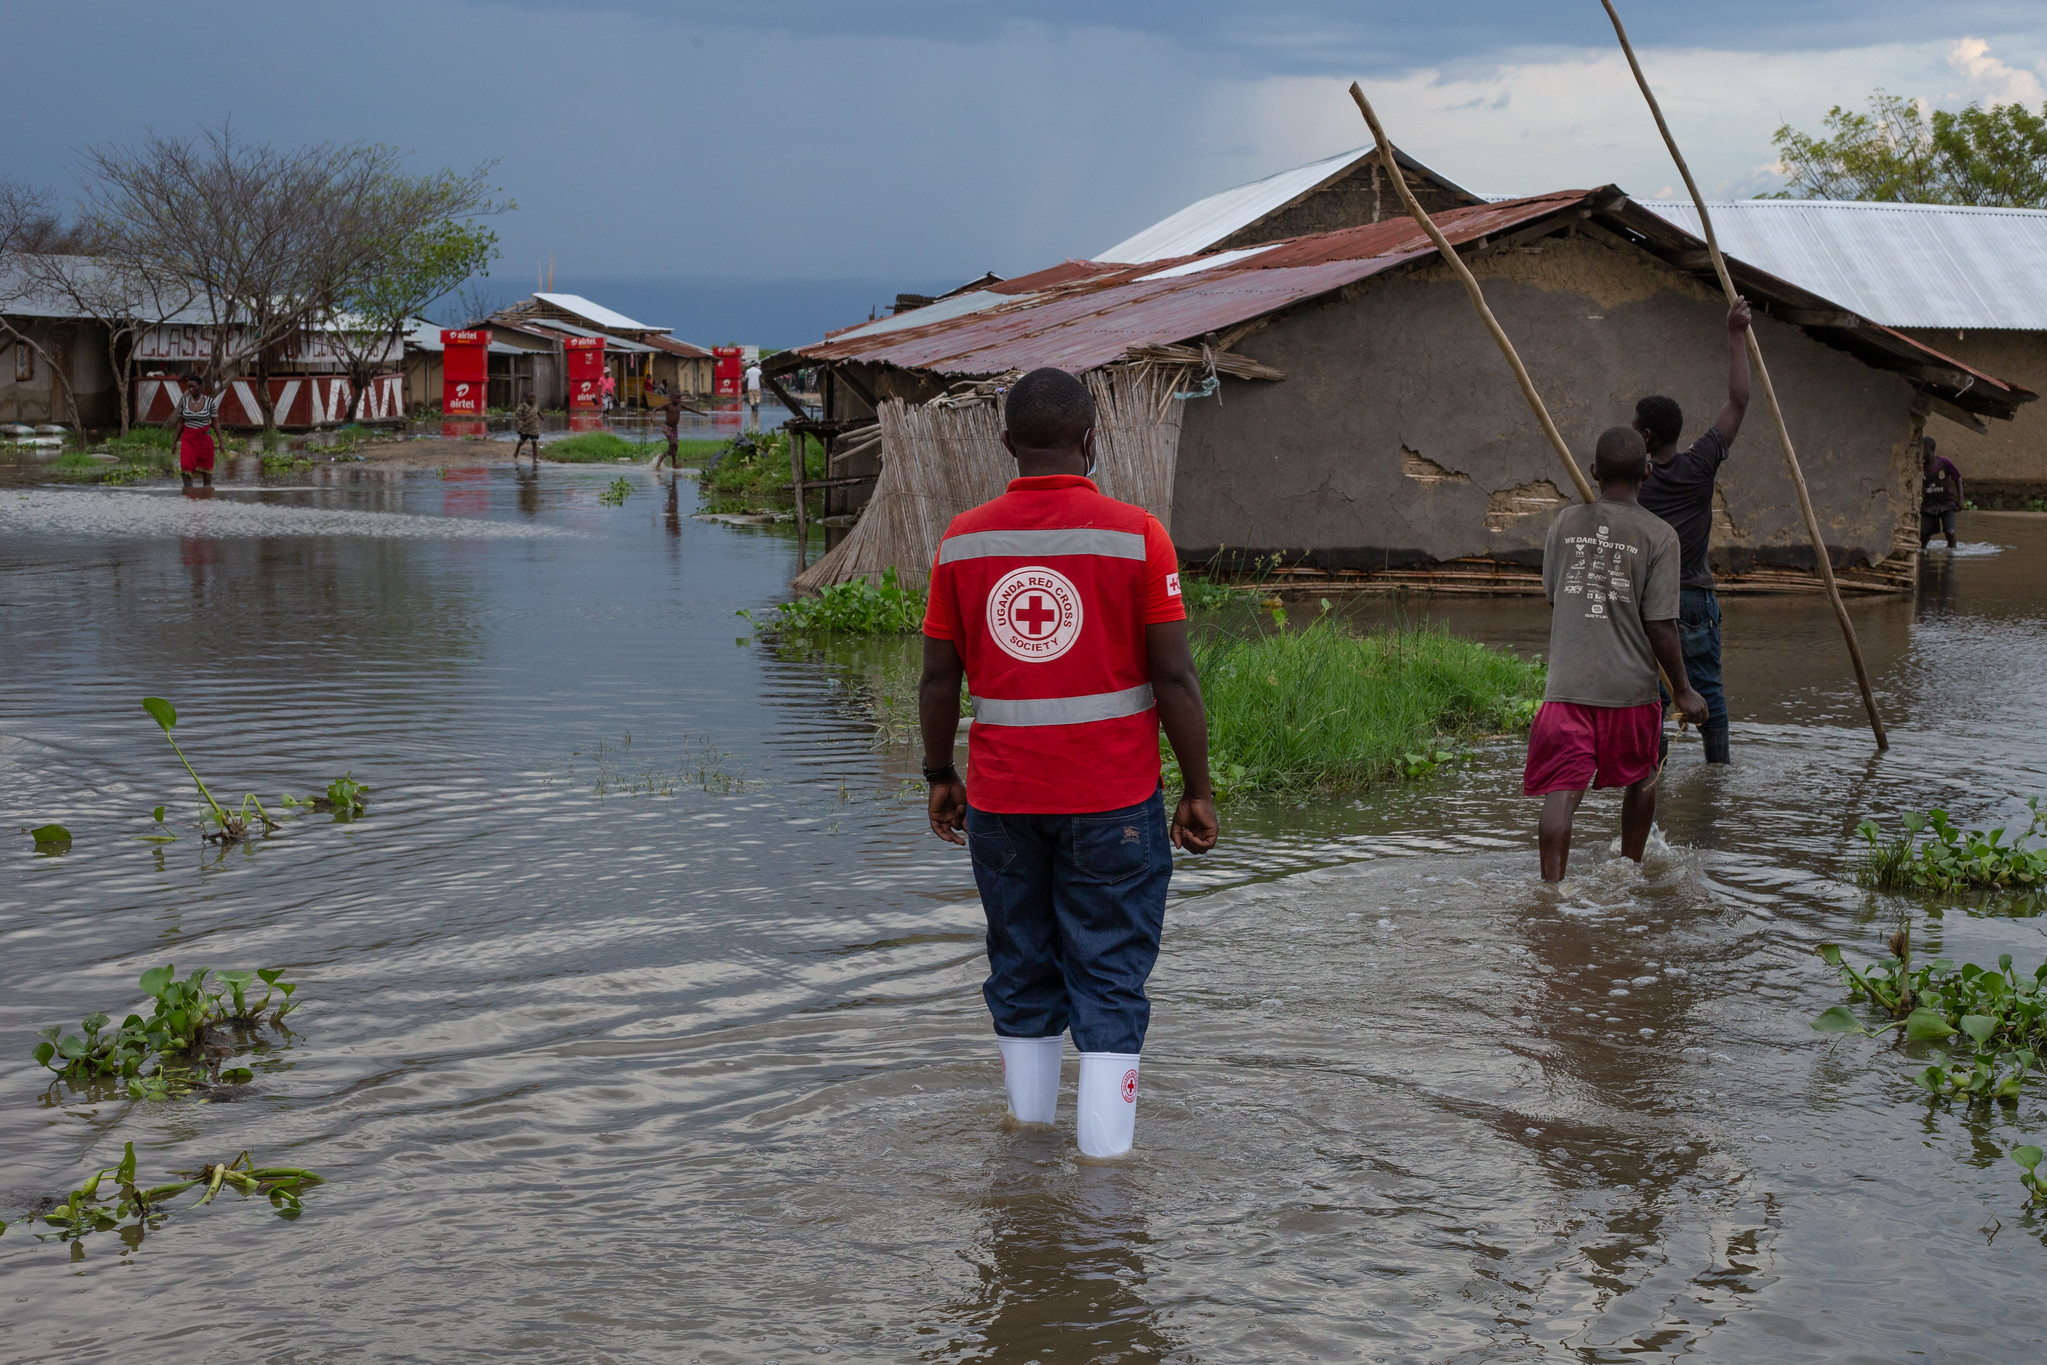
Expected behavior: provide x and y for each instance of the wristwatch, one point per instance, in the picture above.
(936, 775)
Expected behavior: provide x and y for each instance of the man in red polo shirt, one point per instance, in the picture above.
(1061, 608)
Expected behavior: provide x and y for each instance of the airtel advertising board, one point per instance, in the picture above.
(727, 371)
(586, 372)
(465, 372)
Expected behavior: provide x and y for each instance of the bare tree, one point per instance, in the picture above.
(270, 241)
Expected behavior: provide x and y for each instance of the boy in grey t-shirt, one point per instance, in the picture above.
(1610, 571)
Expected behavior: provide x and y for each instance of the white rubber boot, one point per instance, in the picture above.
(1030, 1072)
(1108, 1102)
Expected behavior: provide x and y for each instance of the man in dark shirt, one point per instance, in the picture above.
(1680, 490)
(1940, 495)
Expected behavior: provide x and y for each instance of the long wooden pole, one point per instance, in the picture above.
(1755, 355)
(1456, 263)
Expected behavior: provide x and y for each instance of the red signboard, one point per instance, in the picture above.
(730, 370)
(465, 372)
(586, 372)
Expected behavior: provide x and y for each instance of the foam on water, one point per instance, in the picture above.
(79, 512)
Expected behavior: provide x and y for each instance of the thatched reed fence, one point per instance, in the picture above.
(940, 458)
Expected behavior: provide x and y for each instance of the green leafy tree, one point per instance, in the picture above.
(372, 317)
(1899, 151)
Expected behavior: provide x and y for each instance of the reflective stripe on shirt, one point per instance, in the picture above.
(1079, 540)
(1131, 701)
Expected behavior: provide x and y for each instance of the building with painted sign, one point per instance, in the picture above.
(50, 340)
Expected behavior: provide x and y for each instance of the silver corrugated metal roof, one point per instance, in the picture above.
(1904, 265)
(1206, 222)
(596, 312)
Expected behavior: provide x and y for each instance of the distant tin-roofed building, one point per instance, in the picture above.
(647, 362)
(1965, 281)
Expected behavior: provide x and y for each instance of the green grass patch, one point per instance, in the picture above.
(595, 447)
(1298, 710)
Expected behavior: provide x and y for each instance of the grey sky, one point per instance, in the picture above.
(933, 139)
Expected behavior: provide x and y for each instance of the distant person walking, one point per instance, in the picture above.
(194, 419)
(610, 390)
(1610, 570)
(1679, 489)
(1940, 494)
(671, 422)
(1061, 608)
(753, 390)
(527, 419)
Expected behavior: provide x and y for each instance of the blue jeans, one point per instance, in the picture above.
(1698, 634)
(1075, 907)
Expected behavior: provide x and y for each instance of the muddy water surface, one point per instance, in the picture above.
(642, 1019)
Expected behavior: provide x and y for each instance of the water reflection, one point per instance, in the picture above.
(1059, 1264)
(604, 1066)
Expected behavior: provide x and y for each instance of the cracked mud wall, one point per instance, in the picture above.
(1400, 437)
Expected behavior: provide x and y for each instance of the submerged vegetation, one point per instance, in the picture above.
(615, 495)
(134, 1209)
(169, 1053)
(1295, 710)
(1950, 858)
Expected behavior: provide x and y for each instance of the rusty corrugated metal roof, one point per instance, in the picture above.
(1081, 314)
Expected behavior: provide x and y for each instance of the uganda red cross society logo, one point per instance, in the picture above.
(1034, 614)
(1130, 1087)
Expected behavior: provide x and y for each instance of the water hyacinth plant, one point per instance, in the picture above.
(344, 797)
(86, 1210)
(1995, 1021)
(166, 1054)
(1950, 858)
(857, 607)
(228, 826)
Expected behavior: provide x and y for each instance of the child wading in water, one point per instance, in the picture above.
(194, 419)
(1610, 571)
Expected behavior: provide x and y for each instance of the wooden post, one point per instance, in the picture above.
(796, 483)
(1755, 355)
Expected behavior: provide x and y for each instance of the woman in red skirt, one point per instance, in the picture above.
(194, 418)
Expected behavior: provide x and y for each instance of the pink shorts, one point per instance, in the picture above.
(1569, 745)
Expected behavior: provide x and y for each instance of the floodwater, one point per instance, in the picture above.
(641, 1015)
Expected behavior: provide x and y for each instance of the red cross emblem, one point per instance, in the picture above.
(1034, 614)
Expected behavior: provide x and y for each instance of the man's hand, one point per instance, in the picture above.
(1690, 705)
(1740, 316)
(947, 805)
(1194, 827)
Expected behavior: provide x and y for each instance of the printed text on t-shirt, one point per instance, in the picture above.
(1598, 571)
